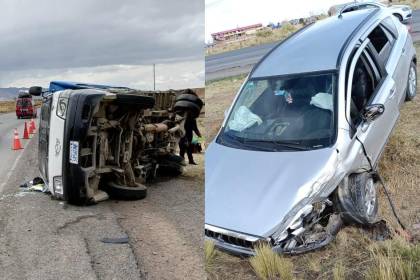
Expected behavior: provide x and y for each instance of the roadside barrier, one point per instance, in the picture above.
(25, 132)
(16, 142)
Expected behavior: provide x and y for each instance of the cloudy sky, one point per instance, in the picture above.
(102, 41)
(227, 14)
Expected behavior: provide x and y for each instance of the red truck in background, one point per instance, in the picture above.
(25, 107)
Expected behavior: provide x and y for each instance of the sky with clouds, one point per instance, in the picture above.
(227, 14)
(102, 41)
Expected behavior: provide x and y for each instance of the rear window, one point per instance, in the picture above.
(24, 102)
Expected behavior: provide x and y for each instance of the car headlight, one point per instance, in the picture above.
(58, 185)
(62, 104)
(293, 223)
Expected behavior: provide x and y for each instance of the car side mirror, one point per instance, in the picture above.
(372, 112)
(35, 91)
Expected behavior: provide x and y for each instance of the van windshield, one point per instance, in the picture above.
(283, 113)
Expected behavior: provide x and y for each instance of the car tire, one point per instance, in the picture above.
(357, 199)
(411, 82)
(181, 106)
(122, 192)
(171, 165)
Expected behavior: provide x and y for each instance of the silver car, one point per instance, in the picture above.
(402, 12)
(296, 156)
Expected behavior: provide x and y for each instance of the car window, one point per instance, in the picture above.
(382, 43)
(296, 109)
(364, 83)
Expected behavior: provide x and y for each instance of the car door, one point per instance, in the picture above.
(380, 89)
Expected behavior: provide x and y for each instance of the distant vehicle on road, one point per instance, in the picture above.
(299, 148)
(402, 12)
(25, 107)
(97, 141)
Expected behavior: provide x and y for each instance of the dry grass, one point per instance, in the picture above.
(262, 37)
(395, 259)
(10, 106)
(269, 265)
(415, 4)
(358, 255)
(209, 255)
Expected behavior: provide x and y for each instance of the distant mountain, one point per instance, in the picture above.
(10, 93)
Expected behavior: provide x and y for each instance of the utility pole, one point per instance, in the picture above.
(154, 77)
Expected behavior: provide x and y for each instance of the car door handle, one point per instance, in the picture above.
(392, 93)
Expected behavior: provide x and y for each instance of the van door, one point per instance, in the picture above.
(44, 136)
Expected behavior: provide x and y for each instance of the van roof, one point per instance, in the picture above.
(314, 48)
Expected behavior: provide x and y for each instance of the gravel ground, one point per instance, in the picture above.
(42, 238)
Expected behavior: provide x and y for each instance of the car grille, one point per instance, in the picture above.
(229, 239)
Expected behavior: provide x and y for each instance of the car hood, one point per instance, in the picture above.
(252, 191)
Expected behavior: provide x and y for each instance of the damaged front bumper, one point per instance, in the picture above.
(242, 244)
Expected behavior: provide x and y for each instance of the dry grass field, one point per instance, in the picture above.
(263, 37)
(354, 254)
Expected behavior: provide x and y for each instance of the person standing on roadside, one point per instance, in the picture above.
(185, 143)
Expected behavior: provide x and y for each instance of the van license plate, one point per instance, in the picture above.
(74, 152)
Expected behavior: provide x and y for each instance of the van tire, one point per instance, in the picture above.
(185, 105)
(190, 97)
(171, 165)
(122, 192)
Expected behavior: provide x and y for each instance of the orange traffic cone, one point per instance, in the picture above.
(25, 132)
(16, 142)
(33, 125)
(30, 129)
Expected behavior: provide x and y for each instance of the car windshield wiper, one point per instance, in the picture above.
(245, 143)
(287, 144)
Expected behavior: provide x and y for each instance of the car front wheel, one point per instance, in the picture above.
(411, 83)
(357, 199)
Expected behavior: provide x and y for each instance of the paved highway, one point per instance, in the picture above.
(8, 122)
(240, 61)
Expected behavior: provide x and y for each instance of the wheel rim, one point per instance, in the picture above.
(412, 81)
(370, 198)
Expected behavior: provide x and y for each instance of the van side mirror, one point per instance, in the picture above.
(372, 112)
(35, 91)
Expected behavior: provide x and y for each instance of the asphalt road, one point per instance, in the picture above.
(241, 61)
(8, 122)
(43, 238)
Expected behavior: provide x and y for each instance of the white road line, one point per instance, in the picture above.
(5, 181)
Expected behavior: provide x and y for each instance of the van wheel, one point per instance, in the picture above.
(122, 192)
(357, 199)
(188, 102)
(171, 165)
(185, 105)
(411, 83)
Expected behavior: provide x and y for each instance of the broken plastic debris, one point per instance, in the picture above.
(37, 185)
(117, 240)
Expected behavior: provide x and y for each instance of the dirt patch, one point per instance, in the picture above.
(166, 228)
